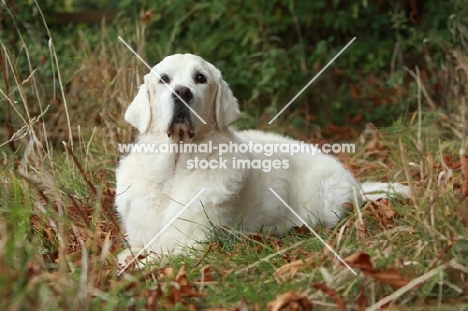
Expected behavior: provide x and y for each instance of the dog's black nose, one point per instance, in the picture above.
(183, 92)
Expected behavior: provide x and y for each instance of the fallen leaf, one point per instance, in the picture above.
(384, 208)
(374, 144)
(289, 270)
(349, 206)
(242, 306)
(448, 162)
(464, 162)
(338, 132)
(174, 288)
(34, 269)
(108, 198)
(166, 272)
(357, 119)
(146, 17)
(390, 276)
(383, 212)
(361, 299)
(206, 273)
(186, 289)
(359, 260)
(298, 253)
(303, 230)
(360, 228)
(461, 210)
(152, 297)
(330, 292)
(290, 301)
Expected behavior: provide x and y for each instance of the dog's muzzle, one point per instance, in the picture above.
(181, 125)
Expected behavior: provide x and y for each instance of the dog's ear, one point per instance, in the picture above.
(226, 106)
(138, 113)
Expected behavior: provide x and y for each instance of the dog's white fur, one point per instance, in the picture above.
(152, 188)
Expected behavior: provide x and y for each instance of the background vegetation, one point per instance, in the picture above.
(398, 92)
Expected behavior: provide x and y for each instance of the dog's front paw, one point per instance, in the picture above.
(126, 256)
(135, 258)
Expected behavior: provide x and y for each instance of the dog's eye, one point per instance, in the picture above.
(199, 78)
(164, 78)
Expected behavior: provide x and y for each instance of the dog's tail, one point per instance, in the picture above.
(377, 190)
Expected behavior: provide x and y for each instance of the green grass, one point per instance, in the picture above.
(33, 240)
(59, 233)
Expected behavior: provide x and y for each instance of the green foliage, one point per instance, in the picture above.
(268, 50)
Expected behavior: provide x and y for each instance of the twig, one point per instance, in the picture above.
(77, 207)
(210, 246)
(443, 253)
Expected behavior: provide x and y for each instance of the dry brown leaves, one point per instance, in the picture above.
(302, 230)
(361, 299)
(464, 165)
(445, 169)
(290, 301)
(206, 273)
(147, 16)
(383, 212)
(299, 259)
(108, 198)
(289, 270)
(171, 290)
(332, 293)
(380, 210)
(270, 240)
(390, 276)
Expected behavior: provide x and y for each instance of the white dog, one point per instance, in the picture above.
(153, 187)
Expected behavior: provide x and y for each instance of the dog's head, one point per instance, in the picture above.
(180, 95)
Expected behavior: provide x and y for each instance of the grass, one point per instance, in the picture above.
(59, 234)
